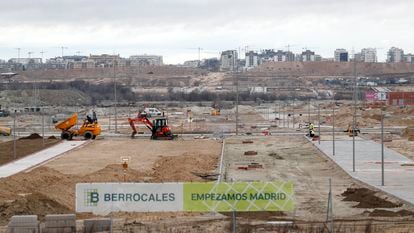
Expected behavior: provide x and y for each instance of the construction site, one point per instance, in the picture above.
(343, 179)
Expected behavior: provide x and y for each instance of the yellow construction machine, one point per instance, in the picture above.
(89, 129)
(215, 110)
(5, 131)
(351, 132)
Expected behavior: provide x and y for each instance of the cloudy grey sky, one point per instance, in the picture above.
(173, 27)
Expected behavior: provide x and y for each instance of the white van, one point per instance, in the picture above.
(152, 112)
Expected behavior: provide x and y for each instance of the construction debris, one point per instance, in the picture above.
(206, 176)
(276, 155)
(250, 152)
(247, 141)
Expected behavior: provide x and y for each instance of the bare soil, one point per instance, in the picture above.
(367, 199)
(50, 189)
(24, 146)
(294, 159)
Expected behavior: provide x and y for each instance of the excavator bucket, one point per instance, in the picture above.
(68, 123)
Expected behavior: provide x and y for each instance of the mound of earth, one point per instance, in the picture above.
(367, 199)
(31, 136)
(388, 213)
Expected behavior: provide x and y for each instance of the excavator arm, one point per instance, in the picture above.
(140, 118)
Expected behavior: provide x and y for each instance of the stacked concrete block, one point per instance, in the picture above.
(23, 224)
(60, 223)
(97, 225)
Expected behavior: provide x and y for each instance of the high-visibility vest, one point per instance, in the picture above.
(311, 126)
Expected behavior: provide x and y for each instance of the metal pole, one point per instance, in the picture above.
(319, 123)
(43, 128)
(354, 116)
(14, 134)
(309, 120)
(109, 121)
(329, 211)
(278, 106)
(234, 221)
(116, 100)
(34, 95)
(382, 147)
(288, 123)
(293, 114)
(268, 113)
(333, 129)
(237, 104)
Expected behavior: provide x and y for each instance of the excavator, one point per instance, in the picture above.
(158, 127)
(351, 132)
(89, 129)
(215, 110)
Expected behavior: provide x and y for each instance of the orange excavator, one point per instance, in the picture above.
(158, 127)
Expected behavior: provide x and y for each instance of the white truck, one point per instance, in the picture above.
(150, 112)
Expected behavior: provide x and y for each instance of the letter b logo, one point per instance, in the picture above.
(91, 197)
(94, 197)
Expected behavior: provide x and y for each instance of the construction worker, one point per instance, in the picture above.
(94, 118)
(311, 133)
(311, 127)
(91, 117)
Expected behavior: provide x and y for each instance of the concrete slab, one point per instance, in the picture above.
(399, 174)
(38, 158)
(23, 224)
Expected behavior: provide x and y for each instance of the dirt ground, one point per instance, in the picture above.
(395, 142)
(24, 147)
(50, 189)
(295, 159)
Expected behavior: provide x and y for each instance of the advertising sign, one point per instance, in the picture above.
(102, 198)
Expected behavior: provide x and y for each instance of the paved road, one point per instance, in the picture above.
(399, 170)
(38, 158)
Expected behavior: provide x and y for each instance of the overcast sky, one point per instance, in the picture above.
(174, 28)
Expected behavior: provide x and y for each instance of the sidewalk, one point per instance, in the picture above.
(38, 158)
(399, 170)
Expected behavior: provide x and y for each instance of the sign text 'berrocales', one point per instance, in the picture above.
(102, 198)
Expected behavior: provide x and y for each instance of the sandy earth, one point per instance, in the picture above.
(142, 154)
(295, 159)
(51, 188)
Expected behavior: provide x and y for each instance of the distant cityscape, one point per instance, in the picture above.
(228, 61)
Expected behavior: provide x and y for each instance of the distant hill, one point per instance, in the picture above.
(330, 69)
(165, 71)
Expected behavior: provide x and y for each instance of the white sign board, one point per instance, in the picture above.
(102, 198)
